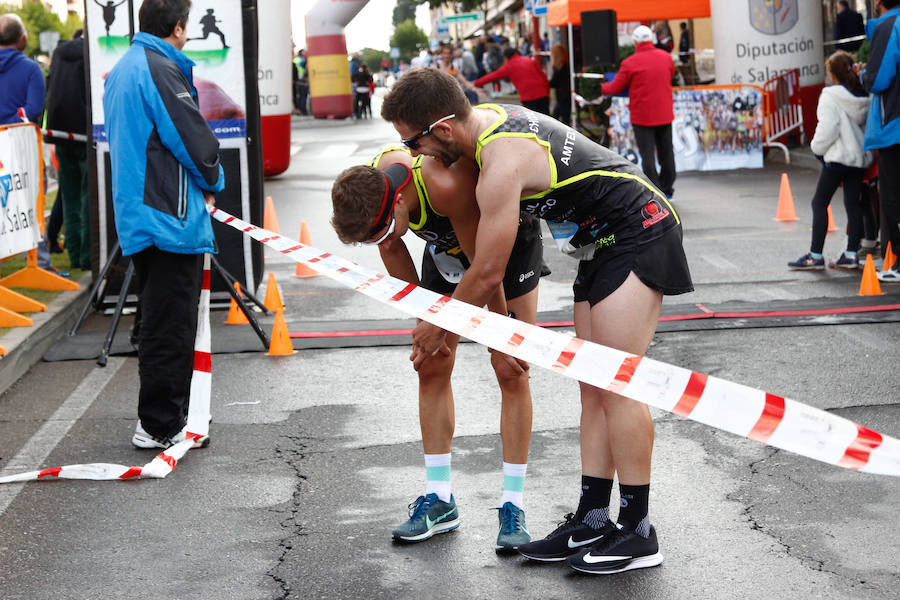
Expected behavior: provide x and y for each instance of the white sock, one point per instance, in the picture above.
(437, 475)
(513, 484)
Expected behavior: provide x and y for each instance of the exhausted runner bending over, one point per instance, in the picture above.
(603, 211)
(377, 204)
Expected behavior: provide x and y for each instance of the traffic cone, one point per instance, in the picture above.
(302, 269)
(273, 298)
(785, 210)
(889, 259)
(235, 315)
(270, 221)
(831, 225)
(869, 285)
(281, 339)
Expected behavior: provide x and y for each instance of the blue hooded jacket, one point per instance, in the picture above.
(880, 79)
(162, 150)
(23, 86)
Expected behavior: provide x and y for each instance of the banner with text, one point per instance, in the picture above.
(20, 188)
(715, 128)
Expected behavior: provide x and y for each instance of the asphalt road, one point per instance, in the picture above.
(315, 456)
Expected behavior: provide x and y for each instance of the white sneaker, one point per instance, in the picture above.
(142, 439)
(890, 276)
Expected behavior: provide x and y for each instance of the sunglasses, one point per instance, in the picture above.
(413, 142)
(387, 233)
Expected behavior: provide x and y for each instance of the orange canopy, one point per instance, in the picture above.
(565, 12)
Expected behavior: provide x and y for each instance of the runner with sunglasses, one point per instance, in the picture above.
(626, 235)
(377, 204)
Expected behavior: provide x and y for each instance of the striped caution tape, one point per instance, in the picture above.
(739, 409)
(64, 135)
(197, 421)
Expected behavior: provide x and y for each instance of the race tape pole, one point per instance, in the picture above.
(64, 135)
(197, 421)
(739, 409)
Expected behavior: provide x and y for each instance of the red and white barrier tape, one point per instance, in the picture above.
(64, 135)
(736, 408)
(197, 422)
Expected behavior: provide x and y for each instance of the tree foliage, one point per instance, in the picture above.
(405, 10)
(372, 58)
(409, 39)
(37, 19)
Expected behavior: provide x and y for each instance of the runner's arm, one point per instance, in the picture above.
(397, 261)
(497, 193)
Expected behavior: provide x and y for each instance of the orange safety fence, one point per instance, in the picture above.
(782, 110)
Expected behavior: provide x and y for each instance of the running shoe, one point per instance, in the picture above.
(807, 263)
(513, 532)
(617, 552)
(142, 439)
(570, 536)
(844, 262)
(892, 275)
(428, 516)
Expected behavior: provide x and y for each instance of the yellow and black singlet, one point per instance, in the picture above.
(596, 198)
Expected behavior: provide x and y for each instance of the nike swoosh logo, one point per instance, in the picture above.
(429, 523)
(573, 544)
(591, 559)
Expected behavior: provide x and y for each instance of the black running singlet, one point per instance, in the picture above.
(596, 198)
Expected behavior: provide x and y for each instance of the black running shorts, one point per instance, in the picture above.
(522, 271)
(660, 264)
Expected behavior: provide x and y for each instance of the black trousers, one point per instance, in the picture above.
(541, 105)
(656, 143)
(168, 286)
(829, 180)
(889, 192)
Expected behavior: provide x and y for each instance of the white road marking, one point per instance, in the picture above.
(337, 150)
(296, 149)
(720, 263)
(36, 450)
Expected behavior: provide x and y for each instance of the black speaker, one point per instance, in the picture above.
(599, 39)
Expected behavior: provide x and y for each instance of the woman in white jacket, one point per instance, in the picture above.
(838, 143)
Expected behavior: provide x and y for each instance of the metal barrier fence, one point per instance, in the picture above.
(782, 112)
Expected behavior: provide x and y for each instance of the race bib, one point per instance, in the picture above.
(450, 267)
(570, 241)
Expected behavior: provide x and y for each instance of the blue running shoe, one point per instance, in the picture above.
(428, 516)
(512, 528)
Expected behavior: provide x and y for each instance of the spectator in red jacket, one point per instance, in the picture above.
(648, 76)
(526, 76)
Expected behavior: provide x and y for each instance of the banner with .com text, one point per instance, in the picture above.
(21, 189)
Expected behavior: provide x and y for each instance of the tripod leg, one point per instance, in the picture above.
(95, 291)
(243, 306)
(229, 278)
(123, 294)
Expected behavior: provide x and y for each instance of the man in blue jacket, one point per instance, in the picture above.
(883, 125)
(20, 77)
(165, 164)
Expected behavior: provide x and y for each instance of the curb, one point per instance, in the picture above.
(26, 345)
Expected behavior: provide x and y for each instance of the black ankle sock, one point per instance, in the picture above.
(633, 511)
(593, 507)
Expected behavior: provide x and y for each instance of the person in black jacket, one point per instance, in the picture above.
(848, 23)
(561, 82)
(67, 111)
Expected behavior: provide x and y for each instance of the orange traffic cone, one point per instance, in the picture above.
(270, 221)
(273, 298)
(831, 225)
(235, 315)
(889, 259)
(303, 270)
(869, 285)
(785, 210)
(281, 339)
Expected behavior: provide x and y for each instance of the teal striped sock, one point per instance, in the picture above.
(437, 475)
(513, 484)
